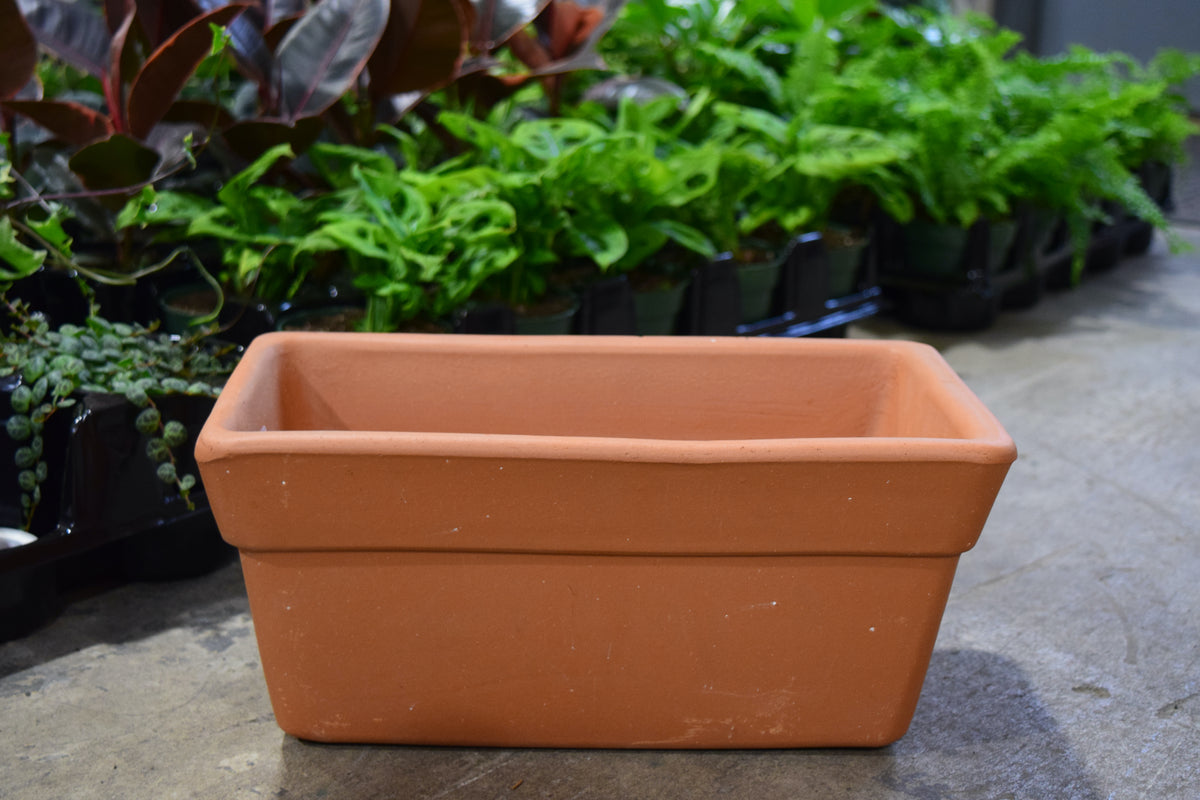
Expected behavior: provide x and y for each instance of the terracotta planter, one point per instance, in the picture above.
(598, 541)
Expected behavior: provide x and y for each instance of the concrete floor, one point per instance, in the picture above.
(1068, 664)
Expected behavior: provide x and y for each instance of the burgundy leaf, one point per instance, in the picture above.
(421, 48)
(198, 112)
(19, 49)
(74, 123)
(114, 13)
(75, 32)
(113, 163)
(161, 18)
(567, 25)
(496, 21)
(323, 54)
(169, 67)
(114, 89)
(279, 30)
(251, 138)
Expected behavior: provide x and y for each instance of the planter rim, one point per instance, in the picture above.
(983, 439)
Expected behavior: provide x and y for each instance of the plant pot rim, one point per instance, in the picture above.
(979, 437)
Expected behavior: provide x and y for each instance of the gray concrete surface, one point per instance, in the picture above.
(1068, 664)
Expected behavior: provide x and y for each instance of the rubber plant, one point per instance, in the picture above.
(515, 42)
(301, 60)
(50, 370)
(123, 138)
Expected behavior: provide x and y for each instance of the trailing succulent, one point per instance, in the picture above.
(52, 368)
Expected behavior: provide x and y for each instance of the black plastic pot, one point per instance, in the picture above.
(657, 310)
(104, 514)
(950, 290)
(239, 322)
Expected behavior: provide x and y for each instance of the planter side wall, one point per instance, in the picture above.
(586, 651)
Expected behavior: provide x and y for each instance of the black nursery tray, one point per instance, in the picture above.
(105, 517)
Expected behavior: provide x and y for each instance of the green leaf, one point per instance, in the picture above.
(166, 472)
(39, 389)
(21, 399)
(137, 396)
(174, 433)
(748, 66)
(599, 237)
(22, 260)
(147, 421)
(27, 480)
(187, 483)
(25, 458)
(157, 450)
(34, 369)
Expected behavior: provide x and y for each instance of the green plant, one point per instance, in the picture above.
(613, 195)
(53, 368)
(263, 229)
(418, 244)
(807, 167)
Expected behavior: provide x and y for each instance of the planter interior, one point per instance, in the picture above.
(595, 541)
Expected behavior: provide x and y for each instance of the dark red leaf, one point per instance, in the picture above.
(279, 30)
(421, 48)
(115, 12)
(567, 26)
(19, 49)
(169, 67)
(73, 123)
(161, 18)
(323, 54)
(528, 50)
(251, 138)
(75, 32)
(113, 163)
(114, 89)
(206, 115)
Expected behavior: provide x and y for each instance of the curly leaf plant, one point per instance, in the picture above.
(53, 367)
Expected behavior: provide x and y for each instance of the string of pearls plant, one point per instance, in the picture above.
(53, 368)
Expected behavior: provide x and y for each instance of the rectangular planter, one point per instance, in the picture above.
(598, 541)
